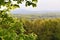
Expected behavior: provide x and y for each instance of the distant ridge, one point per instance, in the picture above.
(24, 11)
(40, 15)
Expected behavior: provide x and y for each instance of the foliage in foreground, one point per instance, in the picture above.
(46, 29)
(12, 29)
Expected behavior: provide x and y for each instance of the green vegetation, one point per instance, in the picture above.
(46, 29)
(11, 28)
(9, 3)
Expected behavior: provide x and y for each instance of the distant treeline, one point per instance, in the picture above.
(37, 16)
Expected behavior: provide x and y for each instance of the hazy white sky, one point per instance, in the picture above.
(44, 5)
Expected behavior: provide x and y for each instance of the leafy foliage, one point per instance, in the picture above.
(12, 29)
(9, 2)
(46, 29)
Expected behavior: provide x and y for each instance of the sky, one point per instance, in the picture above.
(42, 5)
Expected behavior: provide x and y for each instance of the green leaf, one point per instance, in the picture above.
(34, 5)
(34, 0)
(28, 3)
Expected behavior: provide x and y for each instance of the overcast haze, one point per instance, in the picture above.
(42, 5)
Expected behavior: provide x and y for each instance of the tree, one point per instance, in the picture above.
(11, 28)
(9, 5)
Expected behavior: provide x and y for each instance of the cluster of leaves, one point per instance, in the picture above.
(9, 3)
(46, 29)
(12, 29)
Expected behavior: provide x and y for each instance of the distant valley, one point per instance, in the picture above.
(39, 15)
